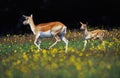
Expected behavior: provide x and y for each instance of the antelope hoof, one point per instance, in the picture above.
(39, 49)
(49, 48)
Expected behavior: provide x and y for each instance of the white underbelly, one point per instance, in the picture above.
(45, 34)
(87, 37)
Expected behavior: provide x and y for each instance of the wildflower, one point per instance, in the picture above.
(16, 62)
(15, 51)
(110, 44)
(108, 66)
(81, 54)
(90, 62)
(93, 70)
(92, 45)
(8, 35)
(102, 64)
(61, 59)
(30, 40)
(36, 51)
(78, 66)
(9, 73)
(72, 58)
(20, 48)
(54, 51)
(9, 46)
(24, 55)
(4, 61)
(54, 65)
(15, 36)
(118, 63)
(25, 69)
(36, 56)
(44, 51)
(87, 54)
(4, 39)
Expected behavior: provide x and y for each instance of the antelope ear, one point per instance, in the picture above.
(31, 15)
(23, 15)
(81, 22)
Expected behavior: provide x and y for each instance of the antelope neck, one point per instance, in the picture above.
(85, 32)
(32, 26)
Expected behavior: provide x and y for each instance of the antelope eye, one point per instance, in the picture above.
(26, 18)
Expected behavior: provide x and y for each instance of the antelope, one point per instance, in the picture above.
(91, 35)
(43, 30)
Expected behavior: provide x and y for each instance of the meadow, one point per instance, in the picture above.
(20, 58)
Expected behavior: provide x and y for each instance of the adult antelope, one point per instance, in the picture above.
(91, 35)
(55, 29)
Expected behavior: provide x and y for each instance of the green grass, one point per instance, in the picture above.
(19, 57)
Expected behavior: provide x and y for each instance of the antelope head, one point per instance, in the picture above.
(83, 26)
(27, 19)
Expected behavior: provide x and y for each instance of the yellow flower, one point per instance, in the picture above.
(87, 54)
(24, 55)
(17, 62)
(44, 51)
(8, 35)
(20, 48)
(80, 54)
(61, 59)
(108, 66)
(54, 65)
(78, 66)
(118, 63)
(30, 40)
(93, 70)
(102, 64)
(72, 58)
(36, 56)
(9, 73)
(4, 61)
(15, 51)
(9, 46)
(25, 69)
(53, 51)
(110, 44)
(14, 36)
(90, 62)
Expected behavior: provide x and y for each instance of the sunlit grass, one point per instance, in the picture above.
(20, 58)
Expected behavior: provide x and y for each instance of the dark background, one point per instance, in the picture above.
(105, 13)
